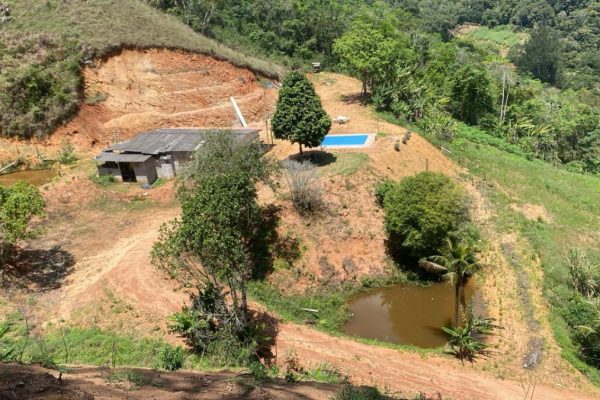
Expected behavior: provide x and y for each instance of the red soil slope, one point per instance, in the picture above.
(141, 90)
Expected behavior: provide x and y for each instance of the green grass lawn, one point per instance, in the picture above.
(345, 164)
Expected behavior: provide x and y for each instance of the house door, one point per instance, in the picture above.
(127, 172)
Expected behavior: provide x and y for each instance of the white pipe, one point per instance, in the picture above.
(9, 165)
(238, 112)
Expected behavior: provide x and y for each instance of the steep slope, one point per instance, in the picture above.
(139, 90)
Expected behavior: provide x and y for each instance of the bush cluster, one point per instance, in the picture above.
(421, 212)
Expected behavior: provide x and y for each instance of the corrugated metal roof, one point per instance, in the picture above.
(169, 140)
(122, 157)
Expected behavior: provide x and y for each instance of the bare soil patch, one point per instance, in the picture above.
(533, 212)
(18, 382)
(138, 90)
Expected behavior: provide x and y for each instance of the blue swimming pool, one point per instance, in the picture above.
(345, 140)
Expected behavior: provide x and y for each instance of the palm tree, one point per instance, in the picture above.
(457, 264)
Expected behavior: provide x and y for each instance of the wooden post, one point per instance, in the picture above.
(427, 165)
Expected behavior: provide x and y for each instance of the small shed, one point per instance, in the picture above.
(156, 154)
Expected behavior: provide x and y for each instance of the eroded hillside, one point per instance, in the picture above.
(142, 90)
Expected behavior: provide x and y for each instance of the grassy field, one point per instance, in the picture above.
(45, 44)
(500, 38)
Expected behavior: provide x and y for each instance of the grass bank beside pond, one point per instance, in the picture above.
(569, 205)
(331, 305)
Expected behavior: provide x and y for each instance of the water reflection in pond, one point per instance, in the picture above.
(410, 315)
(35, 177)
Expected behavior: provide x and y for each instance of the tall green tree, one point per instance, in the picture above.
(542, 55)
(210, 249)
(222, 154)
(370, 49)
(471, 95)
(299, 116)
(19, 205)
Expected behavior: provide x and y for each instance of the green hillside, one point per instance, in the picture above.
(41, 57)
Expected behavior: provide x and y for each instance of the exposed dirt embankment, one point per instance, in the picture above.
(20, 382)
(141, 90)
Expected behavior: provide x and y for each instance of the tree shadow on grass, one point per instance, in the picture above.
(38, 270)
(270, 245)
(268, 327)
(318, 157)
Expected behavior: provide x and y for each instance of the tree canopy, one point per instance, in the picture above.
(542, 55)
(300, 117)
(421, 212)
(370, 49)
(19, 204)
(471, 94)
(210, 249)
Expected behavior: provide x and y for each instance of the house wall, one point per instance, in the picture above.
(145, 172)
(164, 166)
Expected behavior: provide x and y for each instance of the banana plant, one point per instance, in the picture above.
(465, 340)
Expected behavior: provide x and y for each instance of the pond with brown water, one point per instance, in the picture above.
(409, 315)
(35, 177)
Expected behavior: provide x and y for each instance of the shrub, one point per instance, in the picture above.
(19, 204)
(381, 190)
(465, 341)
(584, 319)
(422, 212)
(441, 125)
(359, 393)
(66, 155)
(305, 187)
(171, 358)
(102, 180)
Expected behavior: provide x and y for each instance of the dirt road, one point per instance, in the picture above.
(404, 372)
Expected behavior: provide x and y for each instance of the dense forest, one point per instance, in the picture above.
(523, 71)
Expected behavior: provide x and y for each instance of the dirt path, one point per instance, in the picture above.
(408, 372)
